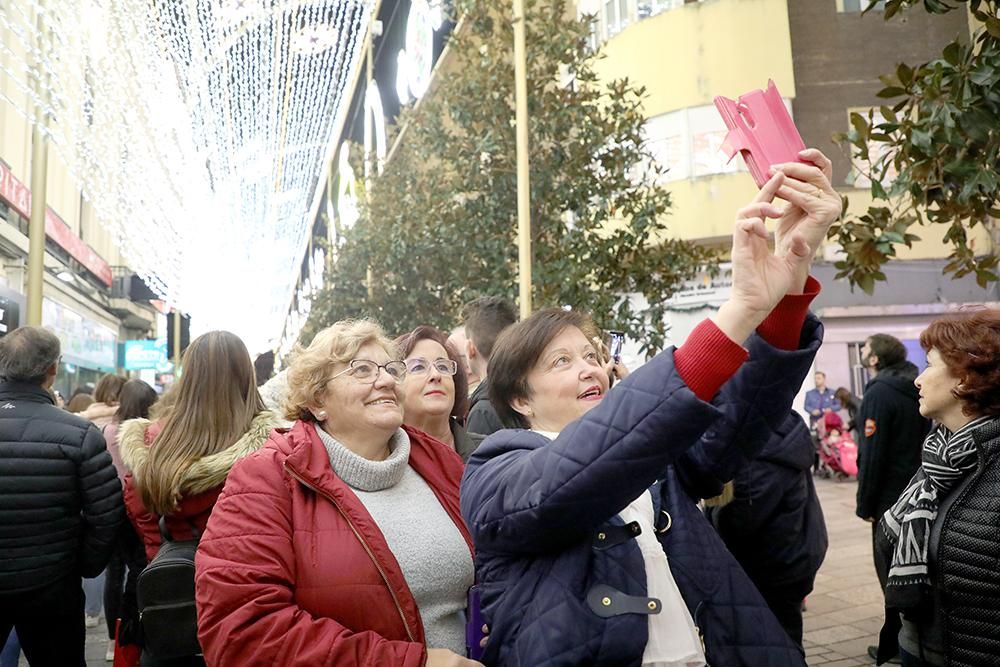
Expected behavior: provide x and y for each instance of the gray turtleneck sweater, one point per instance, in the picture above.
(429, 548)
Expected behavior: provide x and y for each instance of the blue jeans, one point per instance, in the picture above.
(93, 589)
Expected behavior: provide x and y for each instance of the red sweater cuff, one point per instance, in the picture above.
(707, 359)
(783, 326)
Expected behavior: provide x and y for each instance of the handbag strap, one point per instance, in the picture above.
(166, 536)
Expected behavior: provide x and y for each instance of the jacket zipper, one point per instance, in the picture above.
(371, 555)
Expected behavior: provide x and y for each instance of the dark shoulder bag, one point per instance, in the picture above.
(165, 592)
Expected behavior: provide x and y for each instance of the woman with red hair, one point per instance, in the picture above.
(940, 543)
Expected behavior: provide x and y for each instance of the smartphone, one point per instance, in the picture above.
(615, 341)
(474, 625)
(761, 130)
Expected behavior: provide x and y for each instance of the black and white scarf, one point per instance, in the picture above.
(946, 459)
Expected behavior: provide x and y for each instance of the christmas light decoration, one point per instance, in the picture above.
(196, 129)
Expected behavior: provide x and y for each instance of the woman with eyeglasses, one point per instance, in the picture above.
(435, 393)
(341, 542)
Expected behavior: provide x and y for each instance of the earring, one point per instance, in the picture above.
(321, 416)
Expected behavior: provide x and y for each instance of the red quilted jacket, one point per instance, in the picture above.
(292, 569)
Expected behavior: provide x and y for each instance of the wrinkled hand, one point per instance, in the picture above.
(442, 657)
(813, 204)
(762, 278)
(616, 371)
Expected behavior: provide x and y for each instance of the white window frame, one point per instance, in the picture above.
(842, 9)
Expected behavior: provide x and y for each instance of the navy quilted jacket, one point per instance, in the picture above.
(563, 582)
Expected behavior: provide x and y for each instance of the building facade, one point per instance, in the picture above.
(91, 300)
(825, 58)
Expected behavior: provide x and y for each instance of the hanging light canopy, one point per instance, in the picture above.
(197, 129)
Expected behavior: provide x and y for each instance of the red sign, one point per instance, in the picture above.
(16, 193)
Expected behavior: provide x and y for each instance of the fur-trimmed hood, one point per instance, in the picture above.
(136, 435)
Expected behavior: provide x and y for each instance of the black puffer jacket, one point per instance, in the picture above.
(964, 556)
(774, 524)
(891, 434)
(483, 418)
(60, 499)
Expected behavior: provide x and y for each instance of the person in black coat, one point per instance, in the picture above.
(484, 319)
(890, 427)
(890, 433)
(937, 546)
(774, 524)
(60, 504)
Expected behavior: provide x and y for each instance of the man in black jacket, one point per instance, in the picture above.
(890, 428)
(60, 504)
(774, 524)
(484, 319)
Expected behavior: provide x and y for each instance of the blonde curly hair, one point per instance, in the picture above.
(331, 349)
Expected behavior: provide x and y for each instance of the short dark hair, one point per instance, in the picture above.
(27, 353)
(108, 388)
(135, 400)
(407, 342)
(889, 350)
(518, 350)
(969, 345)
(263, 366)
(485, 318)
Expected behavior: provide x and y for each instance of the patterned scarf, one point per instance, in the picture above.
(946, 459)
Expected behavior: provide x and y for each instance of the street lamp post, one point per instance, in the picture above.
(39, 167)
(523, 173)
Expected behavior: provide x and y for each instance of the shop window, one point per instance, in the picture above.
(647, 8)
(615, 17)
(687, 143)
(877, 152)
(856, 6)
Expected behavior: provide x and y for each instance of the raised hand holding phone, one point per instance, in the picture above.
(762, 131)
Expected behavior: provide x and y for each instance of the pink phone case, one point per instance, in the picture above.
(761, 130)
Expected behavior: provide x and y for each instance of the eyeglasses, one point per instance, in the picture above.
(419, 366)
(364, 370)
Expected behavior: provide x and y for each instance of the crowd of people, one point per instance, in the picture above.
(505, 493)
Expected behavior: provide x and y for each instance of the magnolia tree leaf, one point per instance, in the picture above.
(942, 142)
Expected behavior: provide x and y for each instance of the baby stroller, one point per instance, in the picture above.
(838, 453)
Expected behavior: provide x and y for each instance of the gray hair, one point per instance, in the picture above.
(27, 353)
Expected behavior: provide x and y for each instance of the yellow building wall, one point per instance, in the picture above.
(705, 207)
(686, 56)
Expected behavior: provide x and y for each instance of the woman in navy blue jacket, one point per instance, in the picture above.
(589, 549)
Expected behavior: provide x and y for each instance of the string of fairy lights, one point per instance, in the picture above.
(195, 128)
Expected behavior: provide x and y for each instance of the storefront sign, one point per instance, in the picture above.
(18, 196)
(415, 62)
(147, 355)
(84, 342)
(704, 290)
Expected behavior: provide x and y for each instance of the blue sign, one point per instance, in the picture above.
(147, 354)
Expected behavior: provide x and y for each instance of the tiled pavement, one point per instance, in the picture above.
(844, 611)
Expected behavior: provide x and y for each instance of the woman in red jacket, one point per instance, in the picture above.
(340, 542)
(177, 465)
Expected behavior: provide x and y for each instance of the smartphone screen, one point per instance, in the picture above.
(615, 341)
(474, 625)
